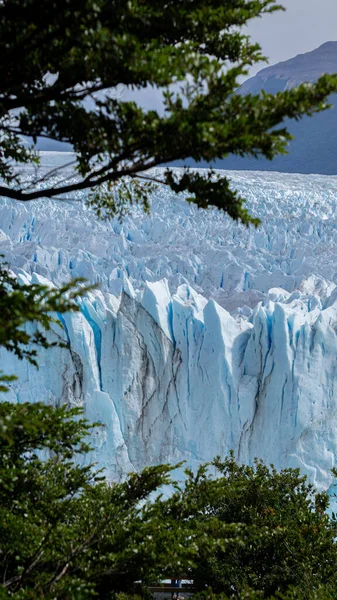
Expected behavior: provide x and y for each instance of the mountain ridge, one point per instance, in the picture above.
(308, 65)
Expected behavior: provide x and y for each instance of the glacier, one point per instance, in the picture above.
(203, 336)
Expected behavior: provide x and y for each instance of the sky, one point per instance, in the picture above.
(304, 26)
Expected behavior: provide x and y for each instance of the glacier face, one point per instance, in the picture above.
(204, 335)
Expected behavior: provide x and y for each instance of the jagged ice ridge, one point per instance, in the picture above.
(204, 335)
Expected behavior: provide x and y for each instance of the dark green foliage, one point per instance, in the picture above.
(64, 532)
(36, 496)
(287, 539)
(67, 534)
(56, 57)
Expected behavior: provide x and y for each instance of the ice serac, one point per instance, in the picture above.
(203, 336)
(197, 384)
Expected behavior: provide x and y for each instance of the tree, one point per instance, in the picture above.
(287, 540)
(60, 59)
(65, 532)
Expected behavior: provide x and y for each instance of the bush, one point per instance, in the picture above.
(285, 538)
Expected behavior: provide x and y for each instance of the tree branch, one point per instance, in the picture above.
(86, 183)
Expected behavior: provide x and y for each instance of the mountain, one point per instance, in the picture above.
(291, 73)
(204, 336)
(314, 149)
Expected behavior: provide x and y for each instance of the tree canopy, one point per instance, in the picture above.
(60, 59)
(287, 538)
(68, 534)
(65, 533)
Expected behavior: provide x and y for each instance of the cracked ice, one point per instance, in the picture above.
(204, 336)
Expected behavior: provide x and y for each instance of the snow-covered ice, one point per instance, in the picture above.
(203, 336)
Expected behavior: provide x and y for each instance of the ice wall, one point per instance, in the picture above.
(154, 357)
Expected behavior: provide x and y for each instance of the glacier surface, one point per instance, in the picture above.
(204, 335)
